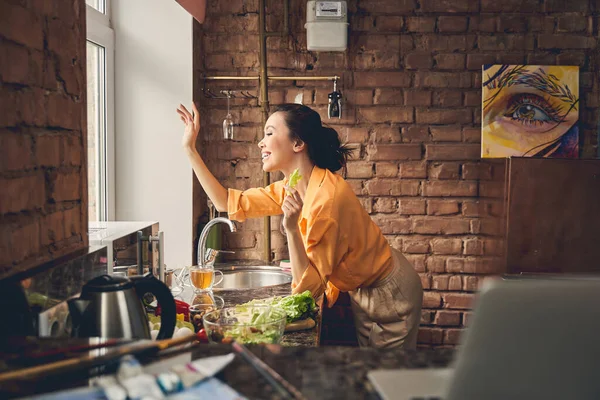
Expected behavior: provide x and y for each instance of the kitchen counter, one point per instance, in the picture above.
(318, 372)
(234, 297)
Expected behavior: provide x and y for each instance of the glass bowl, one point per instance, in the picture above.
(202, 305)
(245, 324)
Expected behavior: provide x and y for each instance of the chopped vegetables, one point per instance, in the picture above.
(296, 306)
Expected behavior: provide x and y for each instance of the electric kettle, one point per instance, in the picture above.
(111, 307)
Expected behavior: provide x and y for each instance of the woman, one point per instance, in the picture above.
(333, 243)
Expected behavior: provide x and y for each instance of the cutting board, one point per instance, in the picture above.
(300, 325)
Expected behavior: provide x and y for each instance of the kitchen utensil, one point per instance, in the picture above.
(89, 361)
(283, 387)
(228, 121)
(334, 109)
(245, 324)
(111, 307)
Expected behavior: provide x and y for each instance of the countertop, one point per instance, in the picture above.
(234, 297)
(318, 372)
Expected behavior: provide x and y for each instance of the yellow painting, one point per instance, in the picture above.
(530, 111)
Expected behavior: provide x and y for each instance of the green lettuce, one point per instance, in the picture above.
(294, 178)
(296, 306)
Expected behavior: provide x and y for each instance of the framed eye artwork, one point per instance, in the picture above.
(530, 111)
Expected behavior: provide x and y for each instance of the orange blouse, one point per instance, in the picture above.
(345, 248)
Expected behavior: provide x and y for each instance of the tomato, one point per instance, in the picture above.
(202, 337)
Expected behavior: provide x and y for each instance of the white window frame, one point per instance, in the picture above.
(100, 31)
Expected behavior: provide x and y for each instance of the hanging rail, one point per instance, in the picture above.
(273, 78)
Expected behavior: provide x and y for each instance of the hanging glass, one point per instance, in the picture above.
(228, 122)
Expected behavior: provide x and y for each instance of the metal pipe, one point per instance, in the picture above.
(234, 78)
(264, 104)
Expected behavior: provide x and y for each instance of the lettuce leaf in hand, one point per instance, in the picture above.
(294, 178)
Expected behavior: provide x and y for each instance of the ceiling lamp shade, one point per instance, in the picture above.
(197, 8)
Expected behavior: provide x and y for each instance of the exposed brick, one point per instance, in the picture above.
(455, 283)
(450, 61)
(460, 301)
(471, 135)
(21, 25)
(23, 193)
(506, 42)
(418, 60)
(473, 247)
(446, 246)
(25, 240)
(355, 134)
(452, 24)
(470, 283)
(482, 23)
(473, 209)
(442, 207)
(419, 246)
(449, 6)
(452, 151)
(447, 98)
(420, 24)
(426, 284)
(385, 152)
(392, 187)
(385, 134)
(67, 186)
(382, 79)
(360, 169)
(572, 23)
(417, 98)
(381, 114)
(443, 116)
(440, 282)
(445, 170)
(473, 171)
(413, 170)
(436, 264)
(447, 318)
(562, 41)
(430, 336)
(512, 23)
(412, 207)
(473, 265)
(449, 188)
(52, 228)
(385, 205)
(518, 6)
(491, 189)
(442, 79)
(562, 6)
(19, 156)
(440, 225)
(452, 336)
(446, 133)
(415, 133)
(388, 96)
(388, 23)
(475, 61)
(417, 261)
(432, 300)
(386, 170)
(572, 58)
(47, 150)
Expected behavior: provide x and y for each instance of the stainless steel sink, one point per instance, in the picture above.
(250, 277)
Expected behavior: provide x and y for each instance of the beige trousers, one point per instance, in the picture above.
(387, 313)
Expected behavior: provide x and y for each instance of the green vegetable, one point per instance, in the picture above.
(294, 178)
(296, 306)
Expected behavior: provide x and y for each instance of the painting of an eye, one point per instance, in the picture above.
(530, 111)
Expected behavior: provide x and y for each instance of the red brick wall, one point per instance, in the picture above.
(43, 194)
(411, 80)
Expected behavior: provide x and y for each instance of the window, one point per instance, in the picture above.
(100, 103)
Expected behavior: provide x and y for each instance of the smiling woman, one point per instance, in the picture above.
(530, 111)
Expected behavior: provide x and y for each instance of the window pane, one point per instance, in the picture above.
(96, 103)
(97, 4)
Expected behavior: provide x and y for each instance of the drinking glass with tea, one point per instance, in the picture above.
(203, 279)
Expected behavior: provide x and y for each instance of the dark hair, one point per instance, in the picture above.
(324, 147)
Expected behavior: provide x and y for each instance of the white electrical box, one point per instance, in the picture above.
(326, 25)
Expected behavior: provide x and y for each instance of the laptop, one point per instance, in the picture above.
(529, 340)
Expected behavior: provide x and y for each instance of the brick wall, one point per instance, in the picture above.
(411, 80)
(43, 197)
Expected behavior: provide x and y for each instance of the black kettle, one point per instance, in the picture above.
(111, 307)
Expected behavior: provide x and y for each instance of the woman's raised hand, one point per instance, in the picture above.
(292, 209)
(192, 126)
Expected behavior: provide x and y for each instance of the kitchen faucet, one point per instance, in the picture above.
(206, 257)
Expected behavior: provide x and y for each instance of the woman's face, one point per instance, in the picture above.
(527, 109)
(277, 149)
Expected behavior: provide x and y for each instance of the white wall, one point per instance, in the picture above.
(153, 74)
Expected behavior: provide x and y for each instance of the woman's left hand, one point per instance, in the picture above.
(292, 207)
